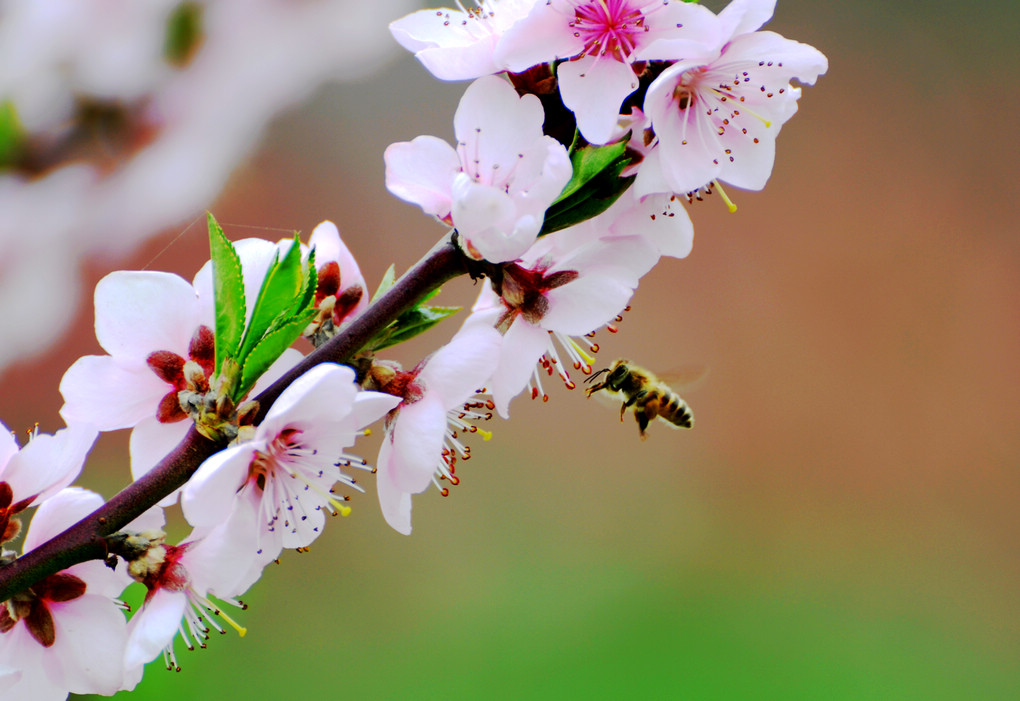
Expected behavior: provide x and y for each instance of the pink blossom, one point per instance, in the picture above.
(459, 44)
(495, 187)
(716, 117)
(341, 295)
(151, 324)
(280, 482)
(421, 440)
(33, 473)
(67, 633)
(181, 581)
(602, 39)
(560, 291)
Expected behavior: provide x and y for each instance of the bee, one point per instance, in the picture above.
(643, 391)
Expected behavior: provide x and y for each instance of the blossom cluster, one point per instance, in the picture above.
(586, 126)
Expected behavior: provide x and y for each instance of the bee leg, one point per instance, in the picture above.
(630, 402)
(642, 422)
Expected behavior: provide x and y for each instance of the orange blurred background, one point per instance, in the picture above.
(842, 521)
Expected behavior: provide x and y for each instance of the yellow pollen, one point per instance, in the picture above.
(725, 198)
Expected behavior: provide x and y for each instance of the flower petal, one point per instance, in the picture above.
(138, 312)
(421, 171)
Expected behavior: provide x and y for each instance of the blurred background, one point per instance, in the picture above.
(841, 523)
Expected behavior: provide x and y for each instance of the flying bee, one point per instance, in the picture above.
(643, 391)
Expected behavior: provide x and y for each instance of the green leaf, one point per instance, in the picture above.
(12, 134)
(306, 300)
(267, 350)
(388, 280)
(594, 186)
(228, 294)
(183, 33)
(284, 281)
(410, 324)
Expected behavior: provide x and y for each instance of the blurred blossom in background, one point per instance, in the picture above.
(842, 520)
(122, 118)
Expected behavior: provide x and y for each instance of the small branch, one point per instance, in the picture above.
(85, 539)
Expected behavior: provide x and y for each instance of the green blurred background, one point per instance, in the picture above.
(842, 522)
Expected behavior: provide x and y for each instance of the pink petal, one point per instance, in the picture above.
(417, 438)
(208, 497)
(109, 392)
(545, 34)
(394, 502)
(421, 171)
(463, 366)
(154, 626)
(594, 89)
(523, 345)
(91, 634)
(138, 312)
(49, 463)
(493, 125)
(58, 513)
(742, 16)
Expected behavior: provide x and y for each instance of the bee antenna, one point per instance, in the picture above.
(595, 374)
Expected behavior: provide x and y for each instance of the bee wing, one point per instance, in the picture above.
(686, 378)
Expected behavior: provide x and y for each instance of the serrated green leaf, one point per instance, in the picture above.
(306, 299)
(413, 323)
(284, 282)
(228, 293)
(267, 350)
(388, 280)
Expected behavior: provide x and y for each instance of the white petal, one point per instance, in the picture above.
(742, 16)
(90, 637)
(369, 407)
(138, 312)
(444, 42)
(59, 512)
(545, 34)
(49, 463)
(586, 304)
(422, 171)
(208, 497)
(463, 366)
(8, 447)
(523, 345)
(594, 89)
(154, 626)
(110, 393)
(417, 438)
(493, 125)
(659, 219)
(323, 394)
(394, 503)
(152, 441)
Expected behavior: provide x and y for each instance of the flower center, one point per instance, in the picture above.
(523, 291)
(174, 369)
(32, 607)
(609, 27)
(283, 447)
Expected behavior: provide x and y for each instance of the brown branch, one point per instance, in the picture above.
(85, 540)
